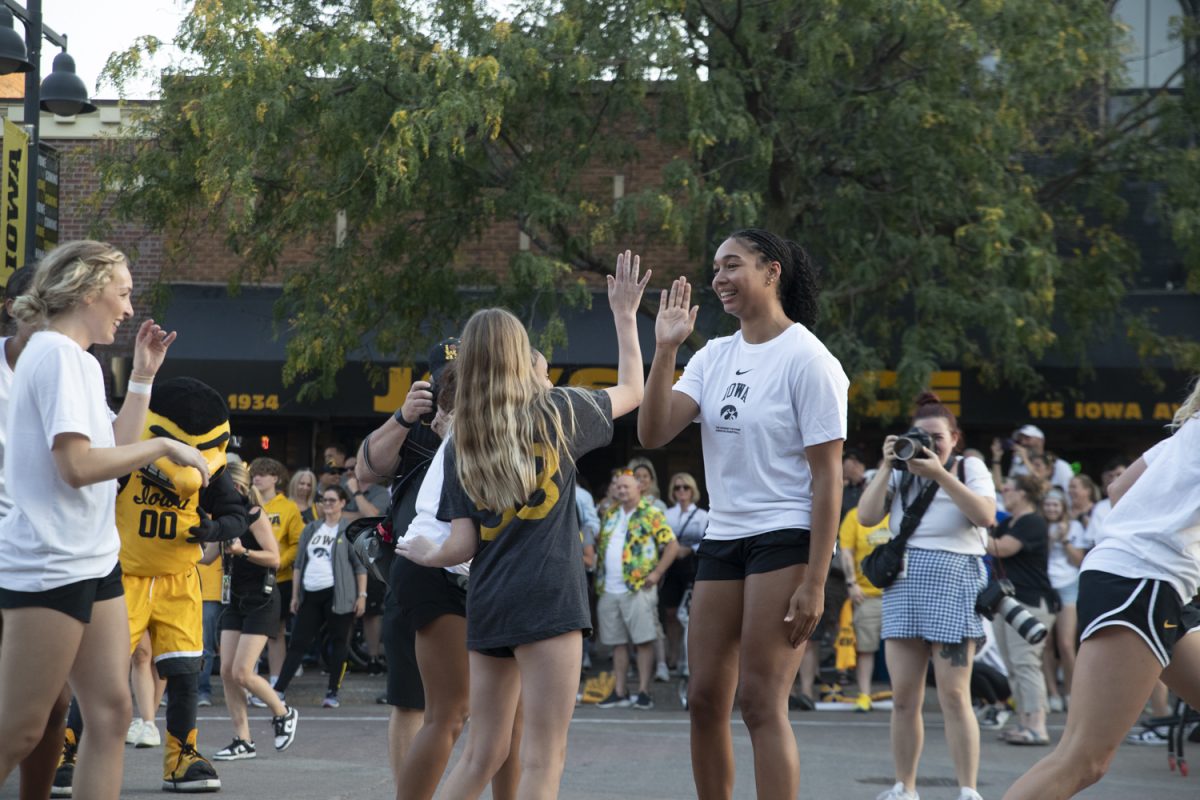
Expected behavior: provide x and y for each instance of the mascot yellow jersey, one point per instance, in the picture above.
(163, 514)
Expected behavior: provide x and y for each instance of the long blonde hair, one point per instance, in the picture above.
(504, 415)
(65, 277)
(1189, 408)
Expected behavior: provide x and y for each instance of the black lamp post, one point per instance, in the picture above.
(62, 93)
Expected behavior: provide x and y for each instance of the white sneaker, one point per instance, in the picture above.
(252, 700)
(1146, 736)
(965, 793)
(898, 792)
(148, 736)
(135, 730)
(1056, 704)
(661, 673)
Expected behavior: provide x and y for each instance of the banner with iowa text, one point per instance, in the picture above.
(15, 207)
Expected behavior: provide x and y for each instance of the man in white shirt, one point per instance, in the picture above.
(1031, 440)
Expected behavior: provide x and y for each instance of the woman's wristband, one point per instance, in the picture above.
(362, 594)
(138, 387)
(400, 420)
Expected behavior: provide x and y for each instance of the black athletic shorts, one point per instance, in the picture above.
(426, 593)
(284, 590)
(1148, 607)
(252, 614)
(404, 687)
(734, 559)
(75, 599)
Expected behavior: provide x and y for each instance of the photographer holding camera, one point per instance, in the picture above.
(929, 611)
(1021, 546)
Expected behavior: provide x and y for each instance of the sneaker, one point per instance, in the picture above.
(375, 667)
(381, 700)
(661, 673)
(966, 793)
(1056, 704)
(586, 664)
(285, 729)
(236, 750)
(993, 719)
(643, 702)
(615, 700)
(64, 775)
(253, 700)
(1146, 736)
(204, 702)
(898, 792)
(185, 770)
(135, 730)
(148, 736)
(801, 702)
(863, 703)
(330, 701)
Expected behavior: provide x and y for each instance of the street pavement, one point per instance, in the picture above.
(622, 753)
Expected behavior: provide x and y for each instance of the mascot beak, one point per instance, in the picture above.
(186, 481)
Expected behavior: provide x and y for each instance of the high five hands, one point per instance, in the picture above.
(676, 314)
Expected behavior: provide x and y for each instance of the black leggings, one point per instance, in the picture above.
(315, 609)
(989, 685)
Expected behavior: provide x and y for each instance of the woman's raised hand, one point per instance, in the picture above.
(676, 314)
(625, 288)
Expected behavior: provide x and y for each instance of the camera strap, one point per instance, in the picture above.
(915, 508)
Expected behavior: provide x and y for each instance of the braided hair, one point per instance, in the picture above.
(798, 288)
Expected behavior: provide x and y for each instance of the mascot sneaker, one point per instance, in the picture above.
(185, 770)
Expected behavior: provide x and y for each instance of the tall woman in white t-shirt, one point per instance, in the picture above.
(771, 402)
(929, 612)
(60, 585)
(1135, 627)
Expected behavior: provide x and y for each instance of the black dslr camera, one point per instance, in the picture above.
(909, 446)
(999, 598)
(435, 388)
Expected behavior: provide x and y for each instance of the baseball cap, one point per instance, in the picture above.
(442, 353)
(1032, 431)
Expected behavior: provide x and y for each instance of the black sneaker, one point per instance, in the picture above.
(185, 770)
(64, 775)
(375, 667)
(285, 729)
(643, 702)
(615, 700)
(237, 750)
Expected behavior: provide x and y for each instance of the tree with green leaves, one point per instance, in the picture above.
(952, 165)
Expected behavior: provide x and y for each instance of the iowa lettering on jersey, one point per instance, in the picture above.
(152, 495)
(276, 520)
(540, 502)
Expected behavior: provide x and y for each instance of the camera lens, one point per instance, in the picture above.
(904, 448)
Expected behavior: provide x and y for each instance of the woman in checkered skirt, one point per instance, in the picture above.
(929, 612)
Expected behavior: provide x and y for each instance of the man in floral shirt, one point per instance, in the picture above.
(634, 549)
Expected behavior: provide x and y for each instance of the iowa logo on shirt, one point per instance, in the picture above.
(540, 502)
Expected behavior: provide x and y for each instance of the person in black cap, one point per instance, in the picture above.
(398, 453)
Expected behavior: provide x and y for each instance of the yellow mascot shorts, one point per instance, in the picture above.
(172, 609)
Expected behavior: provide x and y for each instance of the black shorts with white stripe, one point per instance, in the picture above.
(1150, 608)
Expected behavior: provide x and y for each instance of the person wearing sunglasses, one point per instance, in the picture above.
(330, 589)
(688, 521)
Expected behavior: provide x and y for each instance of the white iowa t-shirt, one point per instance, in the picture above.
(1154, 530)
(55, 535)
(760, 406)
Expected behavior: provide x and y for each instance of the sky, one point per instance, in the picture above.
(96, 29)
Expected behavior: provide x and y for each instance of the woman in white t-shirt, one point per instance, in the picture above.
(929, 611)
(60, 584)
(1065, 536)
(1133, 590)
(771, 403)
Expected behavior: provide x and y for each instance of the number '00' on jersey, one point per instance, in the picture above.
(154, 525)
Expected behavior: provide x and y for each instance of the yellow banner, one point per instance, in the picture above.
(16, 205)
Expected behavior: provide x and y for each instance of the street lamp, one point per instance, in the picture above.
(62, 93)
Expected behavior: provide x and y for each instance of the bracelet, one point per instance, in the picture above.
(362, 594)
(400, 420)
(137, 387)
